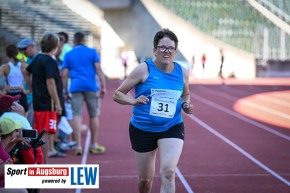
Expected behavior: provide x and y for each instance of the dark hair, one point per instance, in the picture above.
(65, 36)
(61, 38)
(49, 42)
(165, 33)
(12, 51)
(79, 38)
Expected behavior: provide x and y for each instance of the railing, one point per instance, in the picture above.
(275, 10)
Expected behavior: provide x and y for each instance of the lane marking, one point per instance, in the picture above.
(256, 106)
(201, 175)
(241, 117)
(183, 181)
(278, 99)
(232, 144)
(85, 153)
(274, 100)
(266, 109)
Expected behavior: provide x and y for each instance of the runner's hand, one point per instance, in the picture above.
(188, 108)
(141, 100)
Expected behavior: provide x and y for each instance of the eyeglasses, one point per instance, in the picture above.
(164, 48)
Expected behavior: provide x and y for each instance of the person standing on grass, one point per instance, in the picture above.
(161, 93)
(44, 77)
(82, 65)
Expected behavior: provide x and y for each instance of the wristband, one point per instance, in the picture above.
(182, 105)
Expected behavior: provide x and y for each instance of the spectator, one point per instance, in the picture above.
(2, 85)
(8, 132)
(83, 64)
(221, 66)
(13, 71)
(161, 91)
(28, 47)
(192, 66)
(124, 56)
(47, 93)
(65, 125)
(1, 61)
(9, 107)
(66, 47)
(203, 60)
(59, 50)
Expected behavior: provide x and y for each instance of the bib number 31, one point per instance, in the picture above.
(163, 103)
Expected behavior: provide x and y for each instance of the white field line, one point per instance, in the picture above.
(266, 109)
(85, 153)
(251, 104)
(235, 146)
(274, 100)
(262, 97)
(183, 181)
(232, 113)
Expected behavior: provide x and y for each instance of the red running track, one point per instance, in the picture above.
(224, 151)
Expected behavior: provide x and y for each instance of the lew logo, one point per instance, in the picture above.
(52, 176)
(84, 176)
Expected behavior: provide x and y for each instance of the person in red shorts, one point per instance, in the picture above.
(43, 76)
(9, 107)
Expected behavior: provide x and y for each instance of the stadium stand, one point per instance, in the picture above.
(34, 18)
(234, 22)
(280, 8)
(246, 36)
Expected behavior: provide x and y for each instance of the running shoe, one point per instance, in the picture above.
(78, 152)
(97, 149)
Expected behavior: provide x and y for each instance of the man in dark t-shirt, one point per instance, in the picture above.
(47, 93)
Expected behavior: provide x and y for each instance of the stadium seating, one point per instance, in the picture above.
(234, 22)
(28, 19)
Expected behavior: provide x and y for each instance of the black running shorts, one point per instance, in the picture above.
(144, 141)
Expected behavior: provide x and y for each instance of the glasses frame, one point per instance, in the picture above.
(170, 49)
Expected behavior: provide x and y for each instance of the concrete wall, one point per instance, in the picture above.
(136, 27)
(6, 38)
(194, 42)
(112, 4)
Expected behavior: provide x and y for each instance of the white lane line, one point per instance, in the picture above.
(229, 142)
(274, 100)
(266, 109)
(183, 181)
(85, 153)
(255, 123)
(251, 104)
(201, 175)
(86, 149)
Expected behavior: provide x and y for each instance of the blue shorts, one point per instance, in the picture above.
(144, 141)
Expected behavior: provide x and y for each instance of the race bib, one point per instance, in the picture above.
(163, 103)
